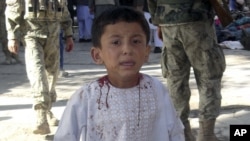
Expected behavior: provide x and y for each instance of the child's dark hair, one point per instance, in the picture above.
(114, 15)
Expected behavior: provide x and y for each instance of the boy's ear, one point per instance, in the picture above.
(95, 54)
(148, 50)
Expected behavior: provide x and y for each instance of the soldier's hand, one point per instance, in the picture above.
(159, 32)
(69, 44)
(13, 46)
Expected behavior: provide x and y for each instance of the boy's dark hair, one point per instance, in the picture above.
(114, 15)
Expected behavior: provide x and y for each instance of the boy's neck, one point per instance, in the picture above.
(128, 83)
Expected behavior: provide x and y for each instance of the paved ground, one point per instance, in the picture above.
(16, 116)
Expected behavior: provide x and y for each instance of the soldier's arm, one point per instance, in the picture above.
(14, 17)
(66, 22)
(152, 4)
(66, 25)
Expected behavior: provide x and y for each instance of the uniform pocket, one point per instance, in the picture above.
(216, 62)
(219, 58)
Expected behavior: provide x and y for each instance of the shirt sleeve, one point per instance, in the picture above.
(14, 18)
(66, 22)
(177, 131)
(73, 122)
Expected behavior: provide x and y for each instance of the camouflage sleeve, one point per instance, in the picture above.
(152, 4)
(66, 22)
(14, 17)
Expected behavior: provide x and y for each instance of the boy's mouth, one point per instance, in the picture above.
(127, 63)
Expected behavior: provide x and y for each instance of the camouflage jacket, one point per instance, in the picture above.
(179, 11)
(18, 25)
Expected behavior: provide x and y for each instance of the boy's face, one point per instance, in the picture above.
(123, 51)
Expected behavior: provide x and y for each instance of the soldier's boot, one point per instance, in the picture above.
(42, 126)
(49, 137)
(206, 131)
(188, 132)
(52, 120)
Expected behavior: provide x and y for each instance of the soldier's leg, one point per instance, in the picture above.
(42, 126)
(35, 67)
(176, 68)
(208, 62)
(178, 72)
(52, 69)
(209, 85)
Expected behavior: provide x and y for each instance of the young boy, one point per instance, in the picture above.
(124, 105)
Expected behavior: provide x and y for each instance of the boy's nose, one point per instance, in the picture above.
(127, 48)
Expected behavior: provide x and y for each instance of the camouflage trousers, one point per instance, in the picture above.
(42, 66)
(193, 45)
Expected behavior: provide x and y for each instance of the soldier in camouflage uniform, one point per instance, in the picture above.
(39, 22)
(187, 30)
(3, 37)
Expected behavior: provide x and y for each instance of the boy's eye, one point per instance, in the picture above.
(137, 41)
(116, 42)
